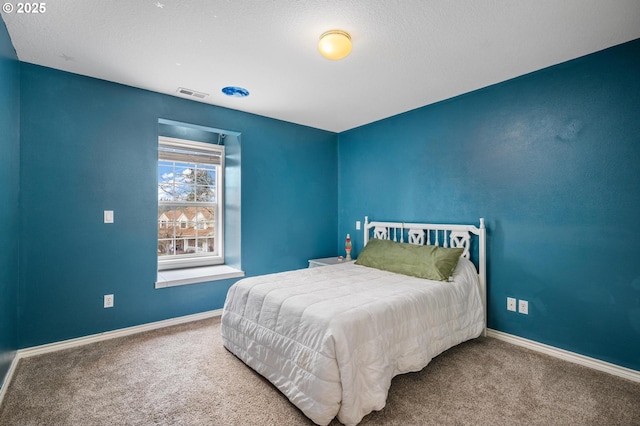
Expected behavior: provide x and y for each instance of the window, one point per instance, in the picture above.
(190, 203)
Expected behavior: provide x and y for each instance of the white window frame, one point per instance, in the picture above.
(194, 149)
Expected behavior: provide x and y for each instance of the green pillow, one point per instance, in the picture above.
(430, 262)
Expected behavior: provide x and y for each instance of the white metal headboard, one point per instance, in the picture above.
(442, 235)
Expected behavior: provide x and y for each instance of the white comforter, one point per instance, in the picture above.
(332, 338)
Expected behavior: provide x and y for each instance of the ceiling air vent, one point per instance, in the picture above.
(192, 93)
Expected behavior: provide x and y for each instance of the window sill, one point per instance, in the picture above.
(176, 277)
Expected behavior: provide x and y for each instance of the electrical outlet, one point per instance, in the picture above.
(523, 307)
(108, 300)
(511, 304)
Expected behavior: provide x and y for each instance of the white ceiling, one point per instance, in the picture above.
(406, 53)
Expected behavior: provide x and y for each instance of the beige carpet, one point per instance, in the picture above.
(183, 376)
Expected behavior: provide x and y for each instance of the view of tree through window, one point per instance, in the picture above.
(188, 197)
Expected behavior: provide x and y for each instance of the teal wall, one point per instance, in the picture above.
(9, 192)
(552, 161)
(89, 145)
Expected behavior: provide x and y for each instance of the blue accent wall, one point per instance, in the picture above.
(9, 198)
(552, 161)
(89, 145)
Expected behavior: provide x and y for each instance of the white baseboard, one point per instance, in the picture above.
(71, 343)
(596, 364)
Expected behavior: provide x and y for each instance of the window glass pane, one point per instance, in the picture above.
(206, 185)
(185, 182)
(166, 174)
(165, 246)
(204, 230)
(166, 231)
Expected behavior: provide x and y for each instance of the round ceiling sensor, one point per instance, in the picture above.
(237, 92)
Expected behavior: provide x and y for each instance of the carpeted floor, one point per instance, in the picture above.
(182, 375)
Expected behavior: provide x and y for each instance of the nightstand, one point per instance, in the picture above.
(313, 263)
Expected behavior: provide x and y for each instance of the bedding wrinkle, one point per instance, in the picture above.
(289, 378)
(331, 339)
(259, 338)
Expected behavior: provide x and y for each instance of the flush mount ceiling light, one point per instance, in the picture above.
(335, 44)
(236, 92)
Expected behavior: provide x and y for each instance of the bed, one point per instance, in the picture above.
(331, 338)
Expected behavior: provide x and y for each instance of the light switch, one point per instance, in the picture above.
(108, 216)
(357, 225)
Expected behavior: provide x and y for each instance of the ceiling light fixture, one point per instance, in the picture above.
(335, 44)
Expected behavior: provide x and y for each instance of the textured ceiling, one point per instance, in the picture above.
(406, 53)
